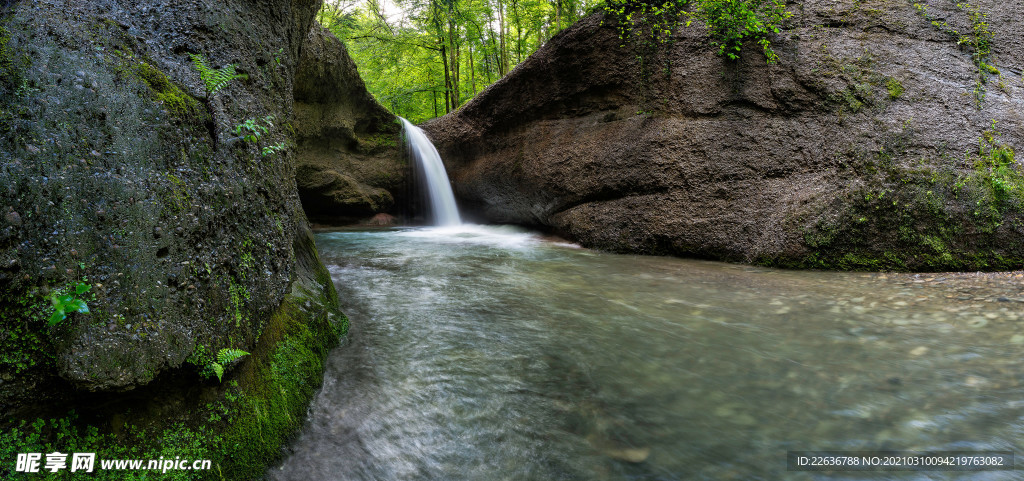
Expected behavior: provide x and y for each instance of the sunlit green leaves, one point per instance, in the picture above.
(215, 79)
(730, 22)
(423, 58)
(65, 303)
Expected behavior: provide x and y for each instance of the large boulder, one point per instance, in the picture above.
(847, 153)
(349, 161)
(171, 198)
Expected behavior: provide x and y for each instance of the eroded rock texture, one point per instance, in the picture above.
(848, 153)
(349, 163)
(119, 168)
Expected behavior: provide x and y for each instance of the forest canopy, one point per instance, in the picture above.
(424, 58)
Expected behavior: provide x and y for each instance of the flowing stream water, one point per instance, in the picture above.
(489, 353)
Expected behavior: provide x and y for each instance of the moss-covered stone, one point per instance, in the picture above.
(932, 217)
(240, 424)
(178, 103)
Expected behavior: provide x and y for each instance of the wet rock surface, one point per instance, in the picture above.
(349, 163)
(847, 154)
(121, 170)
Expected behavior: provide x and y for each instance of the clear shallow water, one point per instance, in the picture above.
(482, 353)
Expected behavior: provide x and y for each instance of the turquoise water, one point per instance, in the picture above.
(490, 353)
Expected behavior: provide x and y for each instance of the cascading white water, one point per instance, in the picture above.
(442, 200)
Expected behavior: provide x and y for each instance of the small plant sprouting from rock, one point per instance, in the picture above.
(996, 165)
(979, 40)
(224, 357)
(253, 129)
(895, 88)
(273, 149)
(65, 302)
(215, 79)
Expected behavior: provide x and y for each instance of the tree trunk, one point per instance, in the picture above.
(503, 55)
(472, 71)
(558, 14)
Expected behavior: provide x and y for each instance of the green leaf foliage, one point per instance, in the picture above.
(226, 355)
(215, 79)
(218, 370)
(65, 302)
(731, 22)
(424, 58)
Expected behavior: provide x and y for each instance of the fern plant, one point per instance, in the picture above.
(215, 79)
(224, 357)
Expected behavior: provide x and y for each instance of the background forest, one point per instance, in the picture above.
(424, 58)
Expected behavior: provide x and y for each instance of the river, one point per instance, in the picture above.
(491, 353)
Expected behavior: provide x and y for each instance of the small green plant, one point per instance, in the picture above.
(894, 87)
(730, 21)
(214, 78)
(253, 129)
(733, 21)
(659, 18)
(224, 357)
(996, 164)
(64, 302)
(979, 40)
(273, 149)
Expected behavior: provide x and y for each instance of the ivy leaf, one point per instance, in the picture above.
(57, 316)
(82, 288)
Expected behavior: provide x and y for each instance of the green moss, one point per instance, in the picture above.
(895, 88)
(178, 103)
(278, 387)
(7, 71)
(12, 67)
(244, 422)
(913, 226)
(69, 434)
(23, 342)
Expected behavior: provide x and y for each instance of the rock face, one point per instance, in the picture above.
(123, 169)
(349, 163)
(848, 153)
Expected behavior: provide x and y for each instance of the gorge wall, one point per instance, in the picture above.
(173, 198)
(349, 162)
(869, 145)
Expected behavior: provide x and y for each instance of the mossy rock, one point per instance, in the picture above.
(178, 103)
(240, 424)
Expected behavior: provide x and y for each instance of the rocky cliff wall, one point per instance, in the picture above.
(864, 147)
(349, 161)
(173, 198)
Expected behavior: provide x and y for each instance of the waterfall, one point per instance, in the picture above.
(428, 161)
